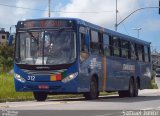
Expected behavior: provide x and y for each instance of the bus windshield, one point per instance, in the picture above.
(46, 47)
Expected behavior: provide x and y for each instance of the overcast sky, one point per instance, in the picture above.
(100, 12)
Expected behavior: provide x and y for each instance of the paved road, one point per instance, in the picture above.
(147, 100)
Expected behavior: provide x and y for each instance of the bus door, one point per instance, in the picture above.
(92, 65)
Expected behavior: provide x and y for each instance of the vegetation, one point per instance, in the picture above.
(153, 82)
(7, 90)
(6, 57)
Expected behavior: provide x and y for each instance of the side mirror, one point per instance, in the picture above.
(10, 39)
(83, 56)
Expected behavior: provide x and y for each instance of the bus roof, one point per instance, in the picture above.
(105, 30)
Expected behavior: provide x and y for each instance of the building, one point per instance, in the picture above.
(3, 36)
(155, 60)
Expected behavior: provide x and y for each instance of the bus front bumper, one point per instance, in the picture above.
(57, 86)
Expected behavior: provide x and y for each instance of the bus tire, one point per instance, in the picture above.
(135, 88)
(93, 93)
(131, 90)
(40, 96)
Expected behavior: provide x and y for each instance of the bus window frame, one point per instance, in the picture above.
(125, 49)
(108, 45)
(115, 47)
(146, 53)
(97, 49)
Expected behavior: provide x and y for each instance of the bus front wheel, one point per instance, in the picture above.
(93, 93)
(40, 96)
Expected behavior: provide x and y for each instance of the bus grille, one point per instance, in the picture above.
(50, 72)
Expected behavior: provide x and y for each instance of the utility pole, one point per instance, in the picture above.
(49, 8)
(116, 16)
(159, 6)
(138, 30)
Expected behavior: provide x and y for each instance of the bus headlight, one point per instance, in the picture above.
(70, 77)
(19, 78)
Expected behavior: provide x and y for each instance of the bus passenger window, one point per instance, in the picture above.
(83, 46)
(94, 42)
(132, 51)
(146, 54)
(106, 46)
(149, 54)
(140, 52)
(115, 46)
(125, 48)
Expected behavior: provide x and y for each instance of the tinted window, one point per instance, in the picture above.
(125, 48)
(115, 46)
(106, 46)
(140, 52)
(83, 46)
(146, 54)
(133, 51)
(94, 42)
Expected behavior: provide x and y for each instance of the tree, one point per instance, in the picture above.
(6, 57)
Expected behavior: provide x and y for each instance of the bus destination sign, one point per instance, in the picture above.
(45, 23)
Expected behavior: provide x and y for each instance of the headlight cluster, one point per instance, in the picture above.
(19, 78)
(70, 77)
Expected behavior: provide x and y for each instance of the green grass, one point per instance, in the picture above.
(7, 90)
(154, 84)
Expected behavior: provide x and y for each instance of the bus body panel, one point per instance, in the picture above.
(119, 71)
(54, 86)
(144, 73)
(88, 68)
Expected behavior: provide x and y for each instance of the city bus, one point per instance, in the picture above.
(69, 55)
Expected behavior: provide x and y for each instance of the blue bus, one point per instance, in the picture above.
(69, 55)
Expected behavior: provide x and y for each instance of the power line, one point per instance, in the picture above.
(123, 25)
(55, 11)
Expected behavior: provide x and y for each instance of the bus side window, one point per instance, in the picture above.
(149, 54)
(136, 51)
(125, 48)
(116, 46)
(100, 37)
(146, 54)
(106, 46)
(83, 47)
(132, 51)
(140, 52)
(94, 42)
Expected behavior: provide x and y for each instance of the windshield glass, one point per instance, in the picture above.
(46, 47)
